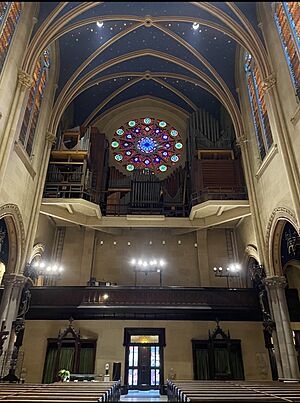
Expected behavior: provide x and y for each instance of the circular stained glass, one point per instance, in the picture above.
(130, 167)
(118, 157)
(147, 143)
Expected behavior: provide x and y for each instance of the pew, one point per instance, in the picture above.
(228, 391)
(78, 392)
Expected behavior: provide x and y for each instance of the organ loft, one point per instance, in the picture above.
(150, 201)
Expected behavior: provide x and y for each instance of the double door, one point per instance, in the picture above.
(144, 367)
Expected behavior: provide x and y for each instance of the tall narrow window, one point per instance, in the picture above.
(258, 107)
(33, 106)
(9, 17)
(287, 18)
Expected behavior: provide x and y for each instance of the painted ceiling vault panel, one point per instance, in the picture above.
(170, 23)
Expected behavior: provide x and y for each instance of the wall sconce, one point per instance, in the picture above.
(115, 243)
(128, 243)
(163, 242)
(179, 242)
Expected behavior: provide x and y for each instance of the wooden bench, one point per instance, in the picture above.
(228, 391)
(79, 392)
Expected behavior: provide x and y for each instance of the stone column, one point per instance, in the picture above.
(22, 90)
(288, 370)
(13, 286)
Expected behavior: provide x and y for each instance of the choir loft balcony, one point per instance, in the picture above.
(82, 188)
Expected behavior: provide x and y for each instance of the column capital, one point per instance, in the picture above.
(50, 137)
(13, 279)
(24, 79)
(268, 82)
(275, 282)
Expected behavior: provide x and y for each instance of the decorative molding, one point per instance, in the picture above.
(12, 210)
(24, 79)
(268, 82)
(251, 251)
(271, 154)
(275, 282)
(296, 117)
(272, 248)
(14, 279)
(50, 137)
(37, 250)
(22, 154)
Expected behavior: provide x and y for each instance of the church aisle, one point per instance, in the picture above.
(143, 396)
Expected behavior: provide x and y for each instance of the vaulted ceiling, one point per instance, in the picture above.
(174, 51)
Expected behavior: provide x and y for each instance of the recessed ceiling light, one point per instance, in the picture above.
(196, 25)
(100, 24)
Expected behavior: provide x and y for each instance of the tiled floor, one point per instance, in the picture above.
(143, 396)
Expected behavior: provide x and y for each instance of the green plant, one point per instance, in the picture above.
(64, 374)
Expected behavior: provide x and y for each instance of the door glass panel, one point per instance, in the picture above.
(157, 357)
(153, 377)
(130, 377)
(130, 356)
(157, 377)
(136, 356)
(153, 356)
(135, 377)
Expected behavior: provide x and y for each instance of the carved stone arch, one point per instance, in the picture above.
(251, 252)
(37, 251)
(16, 235)
(275, 227)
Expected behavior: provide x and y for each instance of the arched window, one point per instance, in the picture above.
(34, 102)
(287, 18)
(9, 17)
(258, 107)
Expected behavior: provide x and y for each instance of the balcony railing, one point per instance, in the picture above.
(144, 303)
(219, 193)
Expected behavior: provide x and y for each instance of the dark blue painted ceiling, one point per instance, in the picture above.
(77, 45)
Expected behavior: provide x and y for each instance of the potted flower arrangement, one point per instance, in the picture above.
(64, 375)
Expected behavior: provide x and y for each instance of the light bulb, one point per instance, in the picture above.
(196, 25)
(215, 269)
(155, 262)
(61, 269)
(100, 24)
(161, 263)
(133, 261)
(140, 262)
(105, 296)
(42, 264)
(128, 243)
(220, 268)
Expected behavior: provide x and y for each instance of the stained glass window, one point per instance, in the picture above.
(9, 17)
(33, 106)
(258, 107)
(287, 19)
(147, 144)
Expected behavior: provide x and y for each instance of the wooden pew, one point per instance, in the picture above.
(79, 392)
(228, 391)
